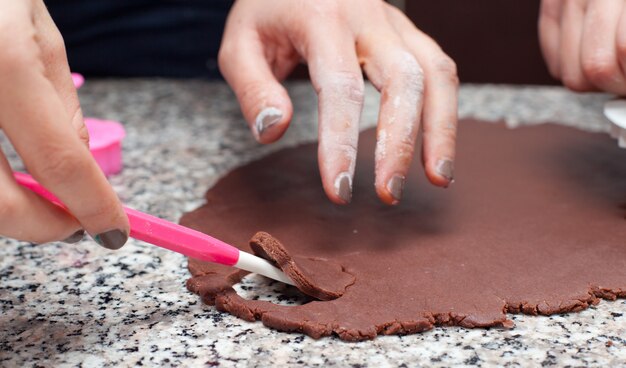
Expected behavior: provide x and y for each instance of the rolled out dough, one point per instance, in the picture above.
(535, 224)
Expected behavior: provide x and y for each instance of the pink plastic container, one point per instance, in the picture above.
(105, 138)
(105, 144)
(78, 80)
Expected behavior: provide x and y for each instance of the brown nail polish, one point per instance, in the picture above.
(112, 239)
(74, 238)
(445, 168)
(395, 186)
(267, 118)
(343, 187)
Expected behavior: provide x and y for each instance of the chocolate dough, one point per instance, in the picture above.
(317, 277)
(535, 223)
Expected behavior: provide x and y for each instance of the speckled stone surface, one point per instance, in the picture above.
(80, 305)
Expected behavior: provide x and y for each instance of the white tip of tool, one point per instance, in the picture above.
(258, 265)
(615, 111)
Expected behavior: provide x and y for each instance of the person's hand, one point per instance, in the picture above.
(41, 116)
(584, 43)
(263, 42)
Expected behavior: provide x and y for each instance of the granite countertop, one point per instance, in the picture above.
(81, 305)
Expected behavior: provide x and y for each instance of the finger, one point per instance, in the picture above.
(440, 101)
(600, 62)
(620, 40)
(570, 54)
(549, 34)
(35, 120)
(337, 79)
(264, 101)
(22, 213)
(57, 68)
(393, 70)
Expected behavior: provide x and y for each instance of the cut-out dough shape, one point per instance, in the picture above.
(535, 223)
(316, 277)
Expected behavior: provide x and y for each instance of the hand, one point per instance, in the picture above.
(584, 43)
(263, 42)
(41, 116)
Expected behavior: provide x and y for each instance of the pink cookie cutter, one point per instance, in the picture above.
(105, 138)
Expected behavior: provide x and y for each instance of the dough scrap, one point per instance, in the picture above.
(535, 224)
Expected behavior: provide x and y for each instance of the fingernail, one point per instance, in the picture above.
(445, 168)
(112, 239)
(266, 118)
(395, 186)
(74, 238)
(343, 187)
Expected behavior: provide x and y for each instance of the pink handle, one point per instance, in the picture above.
(157, 231)
(29, 182)
(180, 239)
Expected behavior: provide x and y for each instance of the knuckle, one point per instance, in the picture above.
(339, 144)
(575, 83)
(223, 55)
(83, 134)
(447, 136)
(346, 146)
(447, 67)
(250, 95)
(394, 11)
(53, 47)
(231, 49)
(599, 69)
(409, 71)
(326, 9)
(60, 165)
(342, 142)
(344, 85)
(347, 150)
(404, 149)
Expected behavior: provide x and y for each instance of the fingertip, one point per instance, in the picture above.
(339, 188)
(75, 237)
(390, 190)
(114, 233)
(441, 172)
(343, 187)
(267, 108)
(112, 239)
(271, 123)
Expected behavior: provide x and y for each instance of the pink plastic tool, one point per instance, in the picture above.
(177, 238)
(105, 144)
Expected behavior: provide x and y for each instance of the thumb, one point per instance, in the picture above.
(264, 101)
